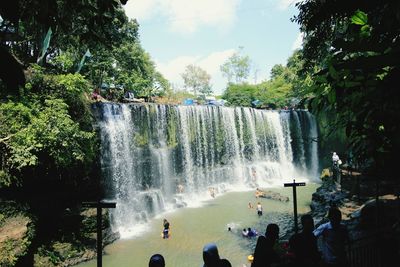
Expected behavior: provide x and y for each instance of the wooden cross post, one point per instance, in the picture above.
(294, 185)
(99, 205)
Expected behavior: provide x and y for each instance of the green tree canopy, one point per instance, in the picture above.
(240, 94)
(355, 47)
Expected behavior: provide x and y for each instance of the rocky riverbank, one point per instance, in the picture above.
(359, 212)
(17, 232)
(23, 243)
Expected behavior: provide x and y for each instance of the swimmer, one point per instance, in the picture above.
(250, 205)
(245, 232)
(180, 188)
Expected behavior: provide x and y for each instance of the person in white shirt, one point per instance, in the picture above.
(259, 209)
(335, 158)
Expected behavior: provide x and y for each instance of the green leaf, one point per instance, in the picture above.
(365, 31)
(332, 96)
(359, 18)
(333, 73)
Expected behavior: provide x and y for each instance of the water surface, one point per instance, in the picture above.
(192, 228)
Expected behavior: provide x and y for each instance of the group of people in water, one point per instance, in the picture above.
(249, 232)
(303, 250)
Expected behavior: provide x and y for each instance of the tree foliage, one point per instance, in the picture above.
(237, 67)
(41, 133)
(197, 79)
(287, 85)
(78, 26)
(355, 45)
(240, 94)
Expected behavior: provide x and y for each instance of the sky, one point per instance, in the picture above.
(206, 33)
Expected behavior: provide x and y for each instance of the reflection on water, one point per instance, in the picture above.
(191, 228)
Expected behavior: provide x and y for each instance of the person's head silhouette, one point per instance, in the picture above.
(308, 223)
(272, 231)
(210, 255)
(335, 216)
(157, 260)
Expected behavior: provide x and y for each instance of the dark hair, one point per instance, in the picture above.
(157, 260)
(334, 215)
(272, 231)
(306, 217)
(224, 263)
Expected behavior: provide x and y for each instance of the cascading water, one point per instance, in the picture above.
(150, 151)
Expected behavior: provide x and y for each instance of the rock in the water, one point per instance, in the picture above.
(272, 195)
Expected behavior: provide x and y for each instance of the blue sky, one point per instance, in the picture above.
(206, 33)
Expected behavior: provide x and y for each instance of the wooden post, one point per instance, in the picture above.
(99, 205)
(294, 185)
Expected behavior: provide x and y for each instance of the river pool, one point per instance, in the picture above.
(192, 228)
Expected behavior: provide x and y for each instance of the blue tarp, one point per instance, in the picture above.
(188, 101)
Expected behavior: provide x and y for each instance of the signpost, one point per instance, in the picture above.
(294, 185)
(99, 205)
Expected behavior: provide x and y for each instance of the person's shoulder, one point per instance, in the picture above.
(261, 238)
(326, 225)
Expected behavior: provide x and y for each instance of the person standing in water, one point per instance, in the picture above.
(166, 229)
(259, 209)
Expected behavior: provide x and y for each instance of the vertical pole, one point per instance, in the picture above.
(99, 237)
(377, 202)
(295, 206)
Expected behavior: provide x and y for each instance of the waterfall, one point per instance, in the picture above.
(149, 151)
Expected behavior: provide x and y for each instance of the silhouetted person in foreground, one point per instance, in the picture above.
(264, 253)
(157, 260)
(334, 236)
(304, 245)
(211, 257)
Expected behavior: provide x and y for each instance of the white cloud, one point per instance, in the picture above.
(141, 9)
(298, 43)
(173, 69)
(186, 16)
(284, 4)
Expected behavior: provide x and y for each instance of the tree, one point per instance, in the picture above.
(277, 70)
(355, 49)
(197, 79)
(240, 94)
(274, 93)
(237, 67)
